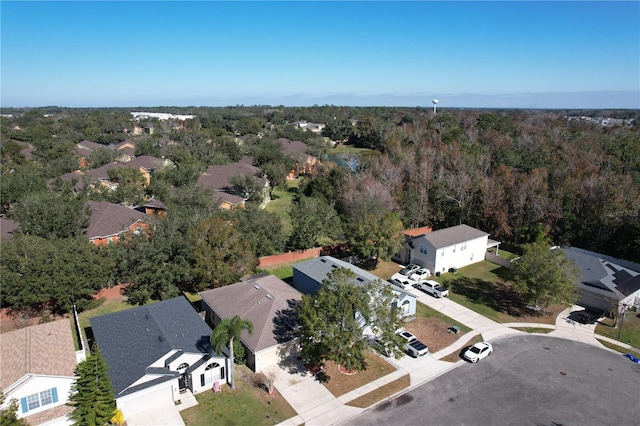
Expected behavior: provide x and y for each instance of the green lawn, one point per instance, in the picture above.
(485, 288)
(424, 311)
(281, 201)
(249, 404)
(630, 333)
(341, 149)
(282, 271)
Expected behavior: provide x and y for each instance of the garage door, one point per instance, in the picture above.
(148, 399)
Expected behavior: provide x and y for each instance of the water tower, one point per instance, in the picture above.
(435, 104)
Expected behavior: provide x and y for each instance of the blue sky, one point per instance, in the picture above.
(554, 54)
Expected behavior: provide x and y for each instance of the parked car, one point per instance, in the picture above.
(403, 283)
(589, 316)
(433, 288)
(380, 347)
(409, 269)
(420, 274)
(406, 335)
(416, 348)
(478, 351)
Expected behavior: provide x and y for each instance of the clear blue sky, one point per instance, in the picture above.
(467, 54)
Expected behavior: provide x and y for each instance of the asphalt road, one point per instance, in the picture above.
(528, 380)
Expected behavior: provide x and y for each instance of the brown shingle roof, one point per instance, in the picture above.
(147, 161)
(40, 349)
(217, 177)
(289, 147)
(416, 232)
(251, 303)
(109, 219)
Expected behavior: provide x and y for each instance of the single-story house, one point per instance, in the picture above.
(603, 282)
(153, 207)
(218, 178)
(125, 150)
(37, 368)
(266, 301)
(303, 163)
(109, 222)
(308, 277)
(447, 248)
(157, 355)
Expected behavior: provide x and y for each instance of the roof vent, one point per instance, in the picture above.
(257, 287)
(360, 279)
(334, 266)
(269, 296)
(323, 260)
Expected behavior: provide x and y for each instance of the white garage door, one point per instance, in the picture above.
(148, 399)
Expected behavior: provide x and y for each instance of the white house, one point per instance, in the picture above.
(447, 248)
(308, 277)
(158, 356)
(37, 368)
(266, 301)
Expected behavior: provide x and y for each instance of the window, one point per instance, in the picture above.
(442, 253)
(423, 249)
(454, 249)
(183, 366)
(212, 365)
(463, 246)
(39, 399)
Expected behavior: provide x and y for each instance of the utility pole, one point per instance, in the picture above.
(623, 311)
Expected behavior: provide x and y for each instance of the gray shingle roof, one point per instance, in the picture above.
(454, 235)
(131, 340)
(217, 177)
(250, 300)
(318, 268)
(109, 219)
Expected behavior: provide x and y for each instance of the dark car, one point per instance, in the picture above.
(589, 316)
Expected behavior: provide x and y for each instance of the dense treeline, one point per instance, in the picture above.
(519, 175)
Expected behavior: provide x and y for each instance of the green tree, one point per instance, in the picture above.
(220, 256)
(51, 215)
(247, 186)
(9, 413)
(263, 230)
(375, 235)
(226, 333)
(545, 276)
(57, 273)
(312, 218)
(332, 322)
(92, 395)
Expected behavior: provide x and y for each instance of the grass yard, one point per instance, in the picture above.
(379, 394)
(620, 349)
(282, 271)
(344, 148)
(339, 384)
(249, 404)
(281, 201)
(386, 269)
(630, 333)
(485, 288)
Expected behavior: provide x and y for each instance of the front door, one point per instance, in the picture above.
(183, 382)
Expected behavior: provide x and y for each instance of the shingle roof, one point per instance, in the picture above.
(7, 227)
(217, 177)
(454, 235)
(109, 219)
(250, 300)
(131, 340)
(147, 161)
(289, 146)
(319, 268)
(40, 349)
(230, 198)
(102, 172)
(416, 232)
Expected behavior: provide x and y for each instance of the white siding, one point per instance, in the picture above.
(37, 384)
(460, 255)
(147, 399)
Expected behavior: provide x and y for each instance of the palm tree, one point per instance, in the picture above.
(228, 330)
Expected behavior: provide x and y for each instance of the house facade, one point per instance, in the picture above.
(308, 277)
(157, 355)
(453, 247)
(603, 283)
(109, 222)
(266, 301)
(37, 368)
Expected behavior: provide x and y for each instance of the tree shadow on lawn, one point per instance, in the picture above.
(497, 295)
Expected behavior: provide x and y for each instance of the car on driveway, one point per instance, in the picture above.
(478, 351)
(416, 348)
(433, 288)
(401, 281)
(379, 346)
(420, 274)
(409, 269)
(408, 337)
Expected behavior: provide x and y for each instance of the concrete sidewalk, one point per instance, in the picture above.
(315, 405)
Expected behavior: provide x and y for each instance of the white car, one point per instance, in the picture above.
(420, 274)
(406, 336)
(433, 288)
(478, 351)
(401, 281)
(409, 269)
(416, 348)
